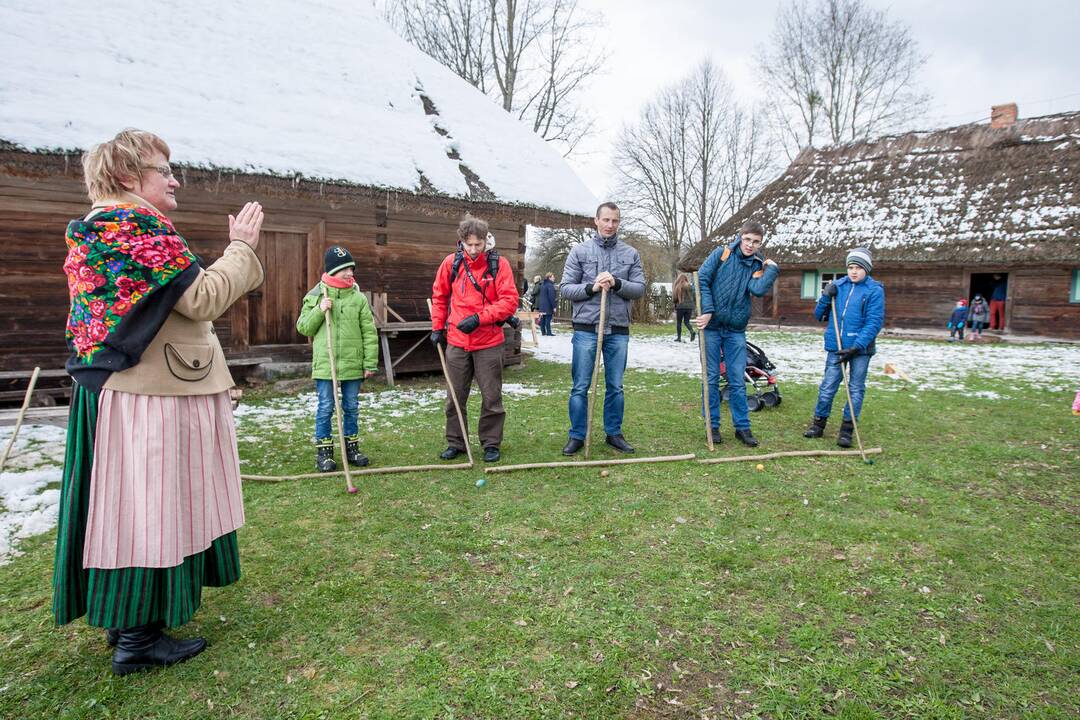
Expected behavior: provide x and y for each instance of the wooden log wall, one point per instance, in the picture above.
(397, 240)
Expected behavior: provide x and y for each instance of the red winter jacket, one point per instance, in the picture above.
(498, 302)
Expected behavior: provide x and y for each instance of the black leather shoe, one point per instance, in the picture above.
(717, 438)
(143, 647)
(111, 635)
(491, 454)
(619, 443)
(450, 453)
(572, 446)
(746, 438)
(843, 438)
(816, 428)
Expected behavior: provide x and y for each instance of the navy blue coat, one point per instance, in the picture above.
(547, 301)
(958, 317)
(726, 286)
(861, 310)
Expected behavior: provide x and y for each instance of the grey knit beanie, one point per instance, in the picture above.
(861, 257)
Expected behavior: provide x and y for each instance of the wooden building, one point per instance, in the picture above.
(386, 167)
(942, 212)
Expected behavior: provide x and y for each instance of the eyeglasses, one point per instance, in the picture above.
(753, 243)
(165, 170)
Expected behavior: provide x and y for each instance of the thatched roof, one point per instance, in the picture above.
(319, 90)
(965, 195)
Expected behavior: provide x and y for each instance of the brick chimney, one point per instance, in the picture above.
(1002, 116)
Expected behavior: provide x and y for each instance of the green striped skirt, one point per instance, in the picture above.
(123, 597)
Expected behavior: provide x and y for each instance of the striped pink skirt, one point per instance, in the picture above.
(165, 482)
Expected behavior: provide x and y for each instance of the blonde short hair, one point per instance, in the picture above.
(107, 165)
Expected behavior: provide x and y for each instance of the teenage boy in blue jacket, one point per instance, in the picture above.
(728, 277)
(860, 310)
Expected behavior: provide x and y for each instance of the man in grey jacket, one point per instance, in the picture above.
(603, 262)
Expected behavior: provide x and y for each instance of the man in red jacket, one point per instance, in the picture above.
(472, 296)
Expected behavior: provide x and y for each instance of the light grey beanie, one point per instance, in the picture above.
(861, 257)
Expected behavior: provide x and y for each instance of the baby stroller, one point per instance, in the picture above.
(760, 377)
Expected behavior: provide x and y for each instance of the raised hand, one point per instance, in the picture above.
(247, 224)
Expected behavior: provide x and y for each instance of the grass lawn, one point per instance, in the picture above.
(941, 582)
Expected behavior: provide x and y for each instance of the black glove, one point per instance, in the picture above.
(438, 338)
(831, 289)
(847, 353)
(469, 324)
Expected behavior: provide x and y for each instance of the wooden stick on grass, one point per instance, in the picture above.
(788, 453)
(704, 366)
(365, 471)
(453, 395)
(337, 396)
(22, 414)
(589, 463)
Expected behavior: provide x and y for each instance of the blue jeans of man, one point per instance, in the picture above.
(581, 367)
(830, 383)
(545, 324)
(350, 404)
(729, 346)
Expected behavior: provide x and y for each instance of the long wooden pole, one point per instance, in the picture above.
(22, 414)
(365, 471)
(453, 396)
(596, 368)
(844, 373)
(704, 366)
(337, 395)
(787, 453)
(589, 463)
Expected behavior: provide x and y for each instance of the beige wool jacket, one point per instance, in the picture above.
(185, 358)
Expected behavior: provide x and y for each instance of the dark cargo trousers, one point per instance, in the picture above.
(486, 366)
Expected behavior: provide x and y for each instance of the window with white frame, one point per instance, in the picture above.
(1074, 289)
(814, 281)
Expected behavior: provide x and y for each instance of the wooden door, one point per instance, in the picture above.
(274, 307)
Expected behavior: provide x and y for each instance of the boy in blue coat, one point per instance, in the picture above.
(957, 320)
(860, 309)
(728, 277)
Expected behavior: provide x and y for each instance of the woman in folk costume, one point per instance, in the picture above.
(150, 498)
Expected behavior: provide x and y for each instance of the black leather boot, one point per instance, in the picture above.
(816, 428)
(843, 438)
(111, 635)
(353, 454)
(146, 646)
(746, 437)
(324, 456)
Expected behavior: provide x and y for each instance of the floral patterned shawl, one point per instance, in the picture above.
(126, 267)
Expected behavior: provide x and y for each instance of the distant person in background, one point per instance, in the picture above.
(958, 320)
(683, 294)
(150, 498)
(997, 302)
(548, 303)
(978, 316)
(524, 292)
(534, 294)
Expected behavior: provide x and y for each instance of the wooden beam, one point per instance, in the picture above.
(589, 463)
(365, 471)
(789, 453)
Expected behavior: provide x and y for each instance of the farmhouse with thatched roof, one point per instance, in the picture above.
(943, 212)
(346, 134)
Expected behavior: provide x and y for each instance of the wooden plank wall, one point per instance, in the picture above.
(397, 251)
(1041, 303)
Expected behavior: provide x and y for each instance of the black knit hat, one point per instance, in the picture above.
(337, 258)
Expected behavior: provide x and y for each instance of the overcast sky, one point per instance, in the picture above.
(981, 53)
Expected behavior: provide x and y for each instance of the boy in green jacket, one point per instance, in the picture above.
(356, 353)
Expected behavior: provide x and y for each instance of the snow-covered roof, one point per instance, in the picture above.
(970, 194)
(319, 88)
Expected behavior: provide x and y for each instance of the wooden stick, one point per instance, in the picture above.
(844, 373)
(22, 414)
(589, 463)
(337, 395)
(453, 395)
(704, 366)
(365, 471)
(788, 453)
(596, 369)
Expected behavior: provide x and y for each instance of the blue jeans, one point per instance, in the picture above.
(545, 324)
(581, 367)
(729, 346)
(834, 375)
(350, 404)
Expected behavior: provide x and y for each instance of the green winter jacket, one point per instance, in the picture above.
(356, 341)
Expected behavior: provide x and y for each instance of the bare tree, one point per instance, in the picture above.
(839, 71)
(654, 163)
(533, 56)
(692, 159)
